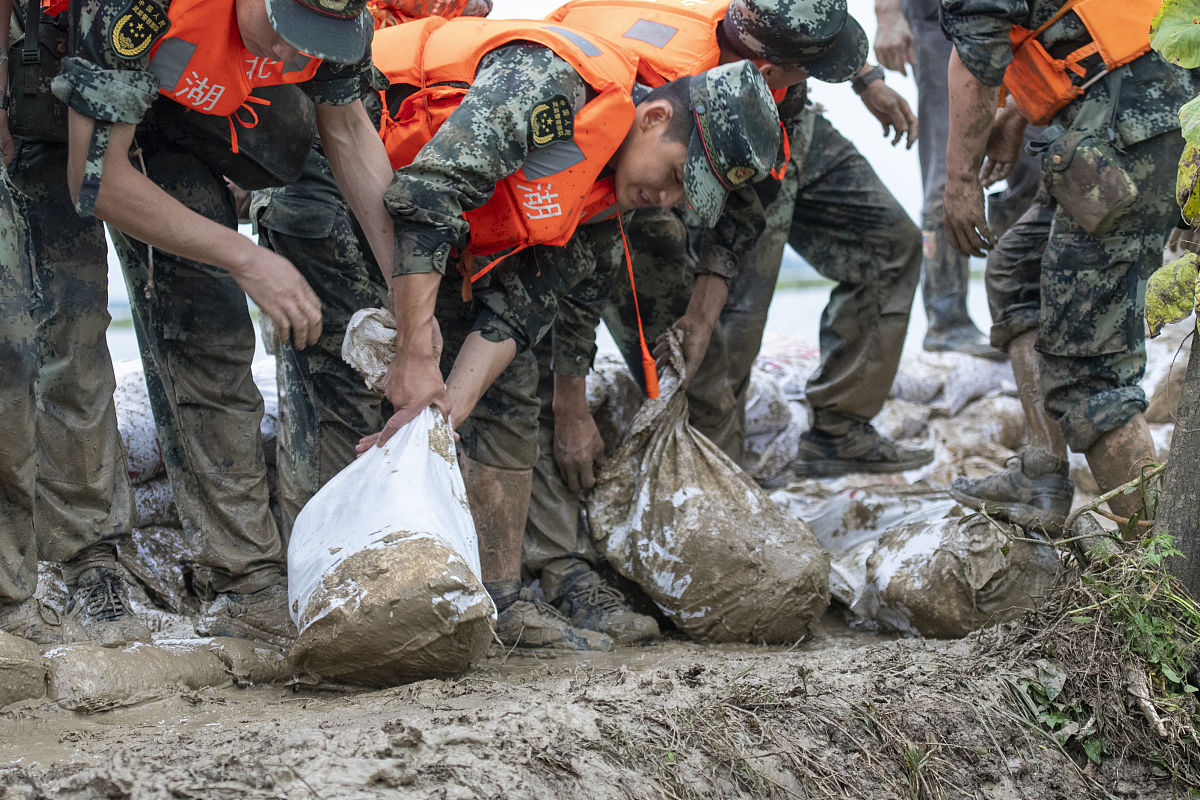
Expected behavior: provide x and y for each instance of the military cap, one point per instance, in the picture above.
(331, 30)
(735, 140)
(819, 35)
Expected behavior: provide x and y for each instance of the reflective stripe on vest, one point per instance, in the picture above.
(543, 201)
(202, 64)
(1042, 85)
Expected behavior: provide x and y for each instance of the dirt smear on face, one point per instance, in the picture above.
(843, 715)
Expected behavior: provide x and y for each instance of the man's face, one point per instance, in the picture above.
(649, 167)
(258, 35)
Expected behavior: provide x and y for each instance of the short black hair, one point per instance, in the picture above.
(678, 94)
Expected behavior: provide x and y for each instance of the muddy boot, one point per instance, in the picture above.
(100, 606)
(1039, 502)
(528, 624)
(261, 615)
(1117, 457)
(860, 449)
(40, 624)
(588, 601)
(961, 338)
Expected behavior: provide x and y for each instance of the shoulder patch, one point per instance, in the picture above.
(551, 121)
(136, 28)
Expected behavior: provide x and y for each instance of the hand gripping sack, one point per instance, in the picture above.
(676, 516)
(383, 567)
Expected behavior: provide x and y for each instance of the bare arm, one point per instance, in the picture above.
(972, 106)
(361, 168)
(134, 204)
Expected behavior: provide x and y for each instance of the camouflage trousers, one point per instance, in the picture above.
(836, 212)
(1086, 296)
(197, 342)
(324, 406)
(83, 491)
(18, 360)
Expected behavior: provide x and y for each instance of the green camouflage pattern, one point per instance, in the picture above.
(735, 140)
(1014, 268)
(820, 35)
(83, 491)
(18, 361)
(197, 342)
(324, 406)
(1151, 89)
(484, 141)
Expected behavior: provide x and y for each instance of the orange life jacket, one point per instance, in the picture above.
(396, 12)
(202, 64)
(1042, 85)
(530, 206)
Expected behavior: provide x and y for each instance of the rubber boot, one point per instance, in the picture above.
(944, 276)
(1117, 457)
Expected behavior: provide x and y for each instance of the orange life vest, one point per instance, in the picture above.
(1042, 85)
(396, 12)
(202, 64)
(531, 206)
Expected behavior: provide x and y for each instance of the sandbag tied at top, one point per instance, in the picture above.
(676, 516)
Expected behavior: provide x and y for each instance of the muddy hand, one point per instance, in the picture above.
(966, 223)
(414, 382)
(894, 43)
(578, 450)
(283, 295)
(892, 111)
(695, 335)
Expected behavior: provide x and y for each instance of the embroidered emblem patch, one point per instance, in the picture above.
(136, 29)
(551, 121)
(739, 175)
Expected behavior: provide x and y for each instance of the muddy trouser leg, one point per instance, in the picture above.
(1014, 270)
(324, 406)
(944, 271)
(1091, 332)
(18, 364)
(555, 528)
(83, 491)
(197, 343)
(664, 270)
(851, 229)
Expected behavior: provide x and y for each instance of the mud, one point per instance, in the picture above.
(842, 715)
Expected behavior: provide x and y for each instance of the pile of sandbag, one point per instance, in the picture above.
(383, 567)
(915, 562)
(673, 514)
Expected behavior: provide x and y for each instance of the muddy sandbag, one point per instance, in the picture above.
(383, 567)
(948, 577)
(154, 503)
(676, 516)
(22, 675)
(370, 345)
(135, 423)
(90, 678)
(613, 397)
(156, 555)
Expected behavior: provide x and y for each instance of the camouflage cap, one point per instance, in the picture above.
(331, 30)
(735, 139)
(819, 35)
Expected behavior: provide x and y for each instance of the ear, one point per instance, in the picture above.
(653, 114)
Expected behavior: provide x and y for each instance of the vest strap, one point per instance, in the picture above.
(649, 367)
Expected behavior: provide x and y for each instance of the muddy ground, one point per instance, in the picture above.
(845, 714)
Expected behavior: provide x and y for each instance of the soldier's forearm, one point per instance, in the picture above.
(972, 107)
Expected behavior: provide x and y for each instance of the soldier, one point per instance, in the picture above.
(143, 76)
(826, 201)
(908, 33)
(527, 135)
(1070, 317)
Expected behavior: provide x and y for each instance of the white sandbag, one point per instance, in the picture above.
(673, 514)
(789, 360)
(768, 457)
(154, 503)
(901, 419)
(920, 378)
(383, 567)
(971, 378)
(613, 398)
(265, 378)
(370, 344)
(156, 555)
(948, 577)
(135, 423)
(22, 675)
(767, 410)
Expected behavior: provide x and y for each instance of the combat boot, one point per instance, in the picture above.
(34, 620)
(860, 449)
(100, 606)
(588, 601)
(530, 624)
(961, 338)
(262, 616)
(1037, 503)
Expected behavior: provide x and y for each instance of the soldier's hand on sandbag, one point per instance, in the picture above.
(696, 334)
(892, 111)
(283, 295)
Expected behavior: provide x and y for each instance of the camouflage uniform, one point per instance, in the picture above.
(1090, 297)
(18, 359)
(324, 406)
(192, 321)
(833, 209)
(84, 495)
